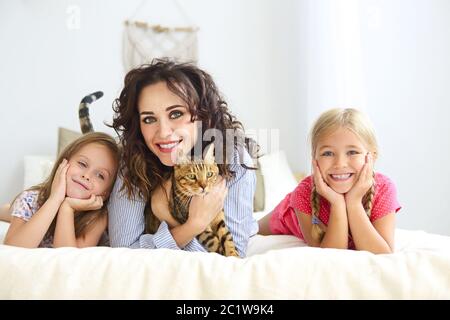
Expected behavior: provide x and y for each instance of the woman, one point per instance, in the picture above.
(163, 108)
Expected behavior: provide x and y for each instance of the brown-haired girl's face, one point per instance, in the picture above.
(165, 122)
(91, 171)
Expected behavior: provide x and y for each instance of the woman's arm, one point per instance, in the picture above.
(238, 207)
(126, 224)
(202, 211)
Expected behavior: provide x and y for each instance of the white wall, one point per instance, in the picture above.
(408, 92)
(47, 66)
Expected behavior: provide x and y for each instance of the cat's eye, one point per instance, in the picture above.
(191, 176)
(209, 174)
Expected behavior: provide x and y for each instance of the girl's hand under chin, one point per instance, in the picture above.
(77, 205)
(322, 187)
(58, 190)
(364, 182)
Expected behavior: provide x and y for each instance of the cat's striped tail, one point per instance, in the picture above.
(83, 111)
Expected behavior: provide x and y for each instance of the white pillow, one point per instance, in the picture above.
(278, 178)
(37, 169)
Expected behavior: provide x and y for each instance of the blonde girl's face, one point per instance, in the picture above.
(165, 122)
(341, 156)
(91, 171)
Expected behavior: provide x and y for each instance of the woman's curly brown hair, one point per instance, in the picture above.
(142, 171)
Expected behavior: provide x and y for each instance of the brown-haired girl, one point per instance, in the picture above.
(69, 208)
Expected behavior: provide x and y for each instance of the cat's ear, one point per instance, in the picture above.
(208, 154)
(182, 158)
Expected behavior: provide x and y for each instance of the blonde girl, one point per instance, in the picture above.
(343, 204)
(69, 208)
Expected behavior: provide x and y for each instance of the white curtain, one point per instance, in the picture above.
(332, 55)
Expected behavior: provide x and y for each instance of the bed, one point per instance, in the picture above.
(277, 267)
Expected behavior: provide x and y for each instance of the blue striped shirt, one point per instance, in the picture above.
(126, 220)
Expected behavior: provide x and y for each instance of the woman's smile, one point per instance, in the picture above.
(169, 146)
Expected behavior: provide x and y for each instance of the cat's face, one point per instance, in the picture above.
(196, 177)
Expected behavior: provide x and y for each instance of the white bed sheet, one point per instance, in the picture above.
(277, 267)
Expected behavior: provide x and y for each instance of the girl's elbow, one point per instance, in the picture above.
(385, 251)
(65, 245)
(323, 244)
(9, 241)
(381, 251)
(15, 243)
(57, 245)
(342, 247)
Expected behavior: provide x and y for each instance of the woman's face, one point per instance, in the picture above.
(165, 122)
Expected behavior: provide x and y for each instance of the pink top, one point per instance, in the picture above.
(284, 220)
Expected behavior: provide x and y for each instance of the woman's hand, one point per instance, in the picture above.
(77, 205)
(203, 209)
(160, 204)
(58, 190)
(322, 187)
(364, 182)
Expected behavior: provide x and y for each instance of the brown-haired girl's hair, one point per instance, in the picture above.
(141, 170)
(359, 124)
(85, 220)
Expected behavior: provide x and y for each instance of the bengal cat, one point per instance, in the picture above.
(191, 178)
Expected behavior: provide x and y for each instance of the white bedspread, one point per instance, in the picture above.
(278, 267)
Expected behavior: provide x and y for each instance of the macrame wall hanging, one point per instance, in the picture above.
(143, 42)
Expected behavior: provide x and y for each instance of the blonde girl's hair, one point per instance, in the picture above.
(84, 221)
(326, 124)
